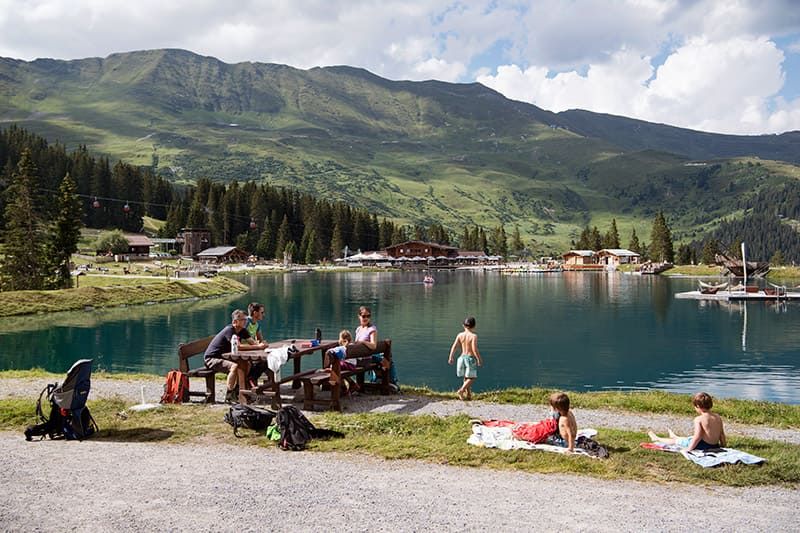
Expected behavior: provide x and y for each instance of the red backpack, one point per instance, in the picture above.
(176, 389)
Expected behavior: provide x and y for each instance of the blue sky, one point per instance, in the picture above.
(723, 66)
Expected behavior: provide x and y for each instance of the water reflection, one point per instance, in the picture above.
(571, 330)
(778, 383)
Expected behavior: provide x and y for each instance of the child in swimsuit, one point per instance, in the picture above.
(567, 430)
(469, 360)
(708, 429)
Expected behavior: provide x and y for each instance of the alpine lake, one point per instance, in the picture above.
(571, 330)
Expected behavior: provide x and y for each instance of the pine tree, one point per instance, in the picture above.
(264, 245)
(23, 266)
(634, 245)
(595, 240)
(311, 254)
(611, 239)
(337, 242)
(282, 239)
(516, 241)
(661, 248)
(65, 233)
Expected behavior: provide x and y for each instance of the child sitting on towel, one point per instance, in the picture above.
(708, 430)
(567, 425)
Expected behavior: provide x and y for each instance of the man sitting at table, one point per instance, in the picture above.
(221, 344)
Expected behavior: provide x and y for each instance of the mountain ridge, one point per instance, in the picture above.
(418, 151)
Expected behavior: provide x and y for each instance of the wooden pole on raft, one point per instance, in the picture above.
(744, 266)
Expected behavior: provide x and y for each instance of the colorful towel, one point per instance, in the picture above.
(708, 458)
(502, 438)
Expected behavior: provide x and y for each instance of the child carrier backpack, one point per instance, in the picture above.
(176, 388)
(295, 428)
(69, 417)
(246, 416)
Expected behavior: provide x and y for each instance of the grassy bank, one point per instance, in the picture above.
(758, 413)
(113, 291)
(433, 439)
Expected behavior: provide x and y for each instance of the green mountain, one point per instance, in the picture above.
(419, 152)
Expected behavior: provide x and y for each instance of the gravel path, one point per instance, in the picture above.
(118, 486)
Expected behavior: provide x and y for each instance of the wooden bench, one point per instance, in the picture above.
(270, 388)
(334, 376)
(191, 349)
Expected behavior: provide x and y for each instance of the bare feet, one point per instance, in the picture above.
(469, 395)
(653, 436)
(672, 434)
(460, 394)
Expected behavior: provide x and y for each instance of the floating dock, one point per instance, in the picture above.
(747, 296)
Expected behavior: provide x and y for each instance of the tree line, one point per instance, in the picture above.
(262, 219)
(660, 249)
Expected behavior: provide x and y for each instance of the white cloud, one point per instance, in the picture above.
(694, 63)
(727, 86)
(439, 69)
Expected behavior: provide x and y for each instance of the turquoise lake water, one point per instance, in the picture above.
(577, 331)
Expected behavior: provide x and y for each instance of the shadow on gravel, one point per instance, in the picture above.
(393, 403)
(133, 435)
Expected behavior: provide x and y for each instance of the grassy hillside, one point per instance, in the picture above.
(415, 151)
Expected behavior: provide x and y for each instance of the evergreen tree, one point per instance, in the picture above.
(684, 254)
(595, 240)
(264, 245)
(777, 259)
(23, 267)
(634, 245)
(337, 243)
(611, 239)
(661, 248)
(482, 244)
(516, 241)
(196, 218)
(498, 243)
(282, 239)
(585, 240)
(65, 233)
(311, 254)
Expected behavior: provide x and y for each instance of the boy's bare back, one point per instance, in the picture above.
(708, 427)
(469, 343)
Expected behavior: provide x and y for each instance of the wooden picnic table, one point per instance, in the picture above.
(304, 347)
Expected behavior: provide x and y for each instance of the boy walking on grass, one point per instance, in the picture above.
(469, 360)
(708, 430)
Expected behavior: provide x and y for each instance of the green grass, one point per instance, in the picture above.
(693, 270)
(745, 411)
(123, 291)
(432, 439)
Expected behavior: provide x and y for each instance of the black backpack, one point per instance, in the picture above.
(245, 416)
(295, 428)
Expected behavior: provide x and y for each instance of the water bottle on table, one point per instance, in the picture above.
(234, 344)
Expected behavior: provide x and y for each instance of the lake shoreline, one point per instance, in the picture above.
(19, 303)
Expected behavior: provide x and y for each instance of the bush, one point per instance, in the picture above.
(113, 241)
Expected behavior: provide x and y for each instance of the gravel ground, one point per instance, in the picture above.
(118, 486)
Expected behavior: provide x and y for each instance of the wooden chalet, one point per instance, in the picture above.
(222, 254)
(613, 257)
(411, 249)
(138, 247)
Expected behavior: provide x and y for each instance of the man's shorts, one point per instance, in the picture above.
(467, 366)
(219, 365)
